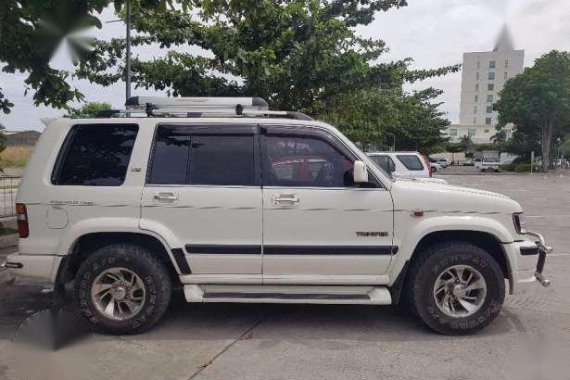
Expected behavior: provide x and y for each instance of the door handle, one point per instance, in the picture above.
(285, 200)
(165, 197)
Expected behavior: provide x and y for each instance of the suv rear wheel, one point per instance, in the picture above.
(456, 288)
(122, 289)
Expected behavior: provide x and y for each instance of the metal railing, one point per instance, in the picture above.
(8, 189)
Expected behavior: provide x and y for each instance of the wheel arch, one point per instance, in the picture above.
(485, 240)
(87, 243)
(490, 238)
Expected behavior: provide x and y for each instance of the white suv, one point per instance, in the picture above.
(235, 203)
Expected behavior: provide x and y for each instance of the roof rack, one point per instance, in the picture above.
(154, 106)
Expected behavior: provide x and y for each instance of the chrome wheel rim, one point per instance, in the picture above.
(460, 291)
(118, 293)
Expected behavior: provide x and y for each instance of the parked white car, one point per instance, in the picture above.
(242, 204)
(404, 165)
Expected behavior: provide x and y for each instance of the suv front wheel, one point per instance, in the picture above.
(456, 288)
(122, 289)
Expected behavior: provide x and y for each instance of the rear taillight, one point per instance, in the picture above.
(22, 217)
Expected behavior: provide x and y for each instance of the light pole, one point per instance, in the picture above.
(128, 53)
(127, 49)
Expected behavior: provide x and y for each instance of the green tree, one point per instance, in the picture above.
(385, 118)
(31, 32)
(537, 102)
(298, 55)
(499, 137)
(466, 144)
(89, 110)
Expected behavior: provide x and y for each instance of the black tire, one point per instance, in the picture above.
(424, 272)
(139, 260)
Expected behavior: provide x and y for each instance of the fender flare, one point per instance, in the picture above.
(468, 223)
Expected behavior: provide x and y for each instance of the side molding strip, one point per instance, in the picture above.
(332, 250)
(223, 249)
(181, 261)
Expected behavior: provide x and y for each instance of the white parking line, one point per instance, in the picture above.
(559, 255)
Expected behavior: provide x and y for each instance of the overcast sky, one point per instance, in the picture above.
(434, 33)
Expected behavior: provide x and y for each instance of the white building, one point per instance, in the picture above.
(483, 76)
(479, 134)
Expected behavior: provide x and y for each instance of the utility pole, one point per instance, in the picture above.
(128, 53)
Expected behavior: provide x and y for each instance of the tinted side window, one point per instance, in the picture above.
(95, 155)
(411, 162)
(222, 160)
(385, 162)
(305, 161)
(170, 156)
(183, 157)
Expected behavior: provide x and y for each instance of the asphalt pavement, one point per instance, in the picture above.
(529, 340)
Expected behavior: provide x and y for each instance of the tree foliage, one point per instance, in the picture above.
(385, 117)
(30, 34)
(89, 110)
(295, 54)
(302, 55)
(537, 102)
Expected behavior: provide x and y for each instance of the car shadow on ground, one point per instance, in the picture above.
(215, 321)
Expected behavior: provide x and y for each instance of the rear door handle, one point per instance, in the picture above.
(165, 197)
(285, 200)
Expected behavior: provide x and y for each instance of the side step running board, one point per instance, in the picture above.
(289, 294)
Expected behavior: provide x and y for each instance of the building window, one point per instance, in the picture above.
(506, 75)
(491, 75)
(477, 87)
(453, 132)
(471, 132)
(492, 64)
(478, 64)
(506, 63)
(476, 98)
(488, 120)
(508, 134)
(491, 87)
(474, 120)
(477, 75)
(489, 98)
(475, 109)
(487, 130)
(489, 109)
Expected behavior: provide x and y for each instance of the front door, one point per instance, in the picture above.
(319, 227)
(203, 190)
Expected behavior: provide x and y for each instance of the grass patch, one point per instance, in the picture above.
(15, 156)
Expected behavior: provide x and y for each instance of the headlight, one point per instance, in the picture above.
(520, 222)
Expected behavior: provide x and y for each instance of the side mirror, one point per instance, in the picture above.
(360, 172)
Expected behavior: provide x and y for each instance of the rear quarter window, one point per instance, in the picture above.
(95, 155)
(411, 162)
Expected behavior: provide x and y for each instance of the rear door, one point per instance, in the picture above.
(319, 227)
(203, 187)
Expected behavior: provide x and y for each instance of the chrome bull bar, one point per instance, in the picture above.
(543, 250)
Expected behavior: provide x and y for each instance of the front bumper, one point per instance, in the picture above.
(543, 250)
(525, 268)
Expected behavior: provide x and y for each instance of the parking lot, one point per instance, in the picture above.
(529, 340)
